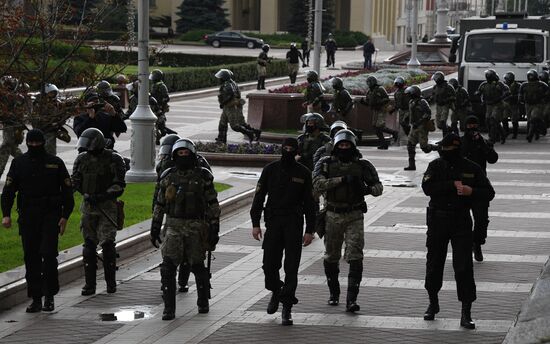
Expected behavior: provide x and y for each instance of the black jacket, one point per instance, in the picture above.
(479, 151)
(106, 123)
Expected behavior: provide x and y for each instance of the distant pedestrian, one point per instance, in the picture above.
(425, 38)
(288, 186)
(368, 50)
(306, 49)
(293, 58)
(330, 47)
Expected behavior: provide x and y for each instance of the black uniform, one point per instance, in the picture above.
(106, 123)
(45, 195)
(330, 47)
(289, 188)
(448, 219)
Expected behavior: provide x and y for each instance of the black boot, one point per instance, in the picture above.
(90, 269)
(263, 82)
(412, 154)
(222, 136)
(478, 255)
(109, 266)
(466, 318)
(203, 291)
(332, 271)
(515, 129)
(48, 304)
(354, 280)
(259, 84)
(183, 278)
(168, 280)
(273, 304)
(35, 306)
(433, 308)
(287, 315)
(530, 131)
(246, 132)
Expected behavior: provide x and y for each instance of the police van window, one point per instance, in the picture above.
(507, 47)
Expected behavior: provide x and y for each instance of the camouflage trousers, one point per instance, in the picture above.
(232, 115)
(95, 226)
(51, 142)
(511, 111)
(262, 70)
(419, 136)
(495, 111)
(441, 115)
(9, 147)
(340, 228)
(185, 239)
(378, 118)
(534, 111)
(292, 68)
(459, 115)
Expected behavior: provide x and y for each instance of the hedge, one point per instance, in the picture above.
(191, 78)
(194, 35)
(350, 38)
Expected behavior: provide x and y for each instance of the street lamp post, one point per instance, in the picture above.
(413, 62)
(142, 146)
(442, 22)
(317, 36)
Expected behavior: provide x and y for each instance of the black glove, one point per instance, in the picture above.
(213, 235)
(155, 234)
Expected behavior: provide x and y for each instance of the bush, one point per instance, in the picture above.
(99, 35)
(278, 39)
(350, 38)
(194, 35)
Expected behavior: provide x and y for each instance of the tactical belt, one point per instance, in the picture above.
(339, 210)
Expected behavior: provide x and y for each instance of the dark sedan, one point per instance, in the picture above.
(230, 38)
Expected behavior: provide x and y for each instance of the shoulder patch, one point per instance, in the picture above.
(298, 180)
(52, 166)
(426, 177)
(468, 175)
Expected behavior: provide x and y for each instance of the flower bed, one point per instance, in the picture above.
(239, 154)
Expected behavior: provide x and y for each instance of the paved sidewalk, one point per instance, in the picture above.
(392, 296)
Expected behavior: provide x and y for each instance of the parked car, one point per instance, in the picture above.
(232, 38)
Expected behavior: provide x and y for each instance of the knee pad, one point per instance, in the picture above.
(411, 149)
(168, 268)
(109, 251)
(89, 251)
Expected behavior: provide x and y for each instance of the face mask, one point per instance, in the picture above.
(346, 155)
(450, 155)
(310, 128)
(288, 158)
(471, 131)
(36, 151)
(185, 162)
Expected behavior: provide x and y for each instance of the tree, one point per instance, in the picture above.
(201, 14)
(297, 22)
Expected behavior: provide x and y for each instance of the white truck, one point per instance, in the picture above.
(507, 42)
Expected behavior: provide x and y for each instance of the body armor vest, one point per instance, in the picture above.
(98, 173)
(344, 192)
(187, 199)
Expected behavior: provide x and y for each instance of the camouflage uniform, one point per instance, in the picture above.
(377, 98)
(230, 101)
(461, 108)
(420, 114)
(159, 91)
(532, 93)
(101, 176)
(308, 146)
(11, 139)
(262, 60)
(342, 104)
(314, 96)
(444, 96)
(511, 107)
(492, 94)
(47, 121)
(402, 104)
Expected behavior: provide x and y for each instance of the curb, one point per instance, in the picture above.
(15, 292)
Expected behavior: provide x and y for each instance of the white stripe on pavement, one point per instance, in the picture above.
(530, 215)
(421, 229)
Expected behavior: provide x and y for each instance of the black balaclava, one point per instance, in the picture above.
(452, 155)
(36, 135)
(185, 162)
(288, 158)
(345, 155)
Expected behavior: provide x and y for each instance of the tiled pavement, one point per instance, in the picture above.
(392, 295)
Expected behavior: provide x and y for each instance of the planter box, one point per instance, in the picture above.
(232, 159)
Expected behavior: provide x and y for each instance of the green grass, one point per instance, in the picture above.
(137, 199)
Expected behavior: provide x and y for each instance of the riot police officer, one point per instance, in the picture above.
(293, 58)
(402, 104)
(98, 174)
(48, 110)
(444, 96)
(512, 102)
(377, 98)
(189, 200)
(453, 183)
(533, 93)
(461, 106)
(493, 92)
(44, 202)
(231, 103)
(345, 179)
(263, 60)
(310, 141)
(159, 91)
(342, 101)
(475, 148)
(288, 186)
(106, 94)
(314, 93)
(420, 115)
(326, 149)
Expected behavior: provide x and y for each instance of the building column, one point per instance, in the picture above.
(269, 16)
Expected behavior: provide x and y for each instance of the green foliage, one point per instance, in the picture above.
(137, 199)
(297, 20)
(196, 14)
(282, 40)
(194, 35)
(350, 38)
(328, 17)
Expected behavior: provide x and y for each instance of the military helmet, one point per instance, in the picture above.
(51, 88)
(316, 118)
(336, 127)
(454, 82)
(544, 76)
(414, 91)
(399, 82)
(92, 139)
(167, 143)
(532, 75)
(509, 77)
(372, 81)
(104, 88)
(345, 135)
(156, 75)
(312, 76)
(224, 74)
(121, 79)
(265, 47)
(337, 83)
(293, 45)
(9, 82)
(183, 144)
(491, 75)
(471, 120)
(438, 77)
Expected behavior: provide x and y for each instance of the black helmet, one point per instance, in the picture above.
(167, 143)
(156, 75)
(399, 82)
(471, 120)
(92, 139)
(372, 81)
(345, 135)
(544, 76)
(104, 88)
(9, 82)
(337, 83)
(336, 127)
(312, 76)
(265, 47)
(454, 82)
(224, 74)
(438, 77)
(35, 135)
(316, 118)
(414, 91)
(183, 144)
(509, 77)
(293, 45)
(532, 75)
(491, 75)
